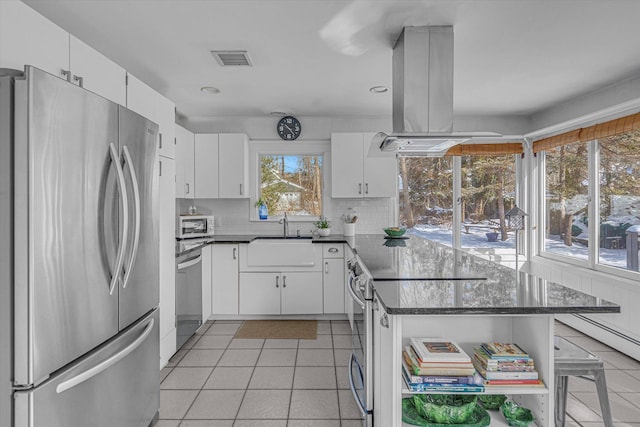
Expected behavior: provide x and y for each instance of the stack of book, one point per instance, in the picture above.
(505, 365)
(435, 364)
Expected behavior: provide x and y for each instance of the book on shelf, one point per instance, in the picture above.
(505, 366)
(499, 350)
(486, 359)
(442, 388)
(443, 364)
(527, 383)
(446, 370)
(438, 350)
(513, 375)
(441, 379)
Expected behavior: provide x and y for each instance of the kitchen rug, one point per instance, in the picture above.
(301, 329)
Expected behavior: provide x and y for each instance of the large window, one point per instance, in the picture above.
(566, 200)
(619, 183)
(592, 194)
(488, 192)
(426, 196)
(291, 183)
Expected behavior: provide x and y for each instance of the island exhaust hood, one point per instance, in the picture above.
(423, 97)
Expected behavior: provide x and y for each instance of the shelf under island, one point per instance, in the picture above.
(492, 305)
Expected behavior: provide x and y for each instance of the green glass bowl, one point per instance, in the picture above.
(516, 415)
(395, 231)
(492, 401)
(445, 408)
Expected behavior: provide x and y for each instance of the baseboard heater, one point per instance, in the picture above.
(608, 329)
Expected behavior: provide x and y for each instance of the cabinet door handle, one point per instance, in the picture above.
(160, 141)
(326, 268)
(366, 188)
(66, 74)
(333, 250)
(360, 188)
(241, 189)
(284, 281)
(79, 79)
(277, 281)
(235, 253)
(187, 185)
(160, 167)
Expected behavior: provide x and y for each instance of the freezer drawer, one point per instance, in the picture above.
(117, 385)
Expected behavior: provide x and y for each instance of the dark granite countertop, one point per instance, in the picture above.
(416, 258)
(185, 245)
(504, 295)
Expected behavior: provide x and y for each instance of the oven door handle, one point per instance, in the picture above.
(190, 262)
(363, 411)
(355, 297)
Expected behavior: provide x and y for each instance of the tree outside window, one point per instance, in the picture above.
(619, 204)
(567, 200)
(291, 184)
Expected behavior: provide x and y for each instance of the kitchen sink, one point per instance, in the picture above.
(278, 251)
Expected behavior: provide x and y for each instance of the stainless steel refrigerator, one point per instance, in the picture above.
(79, 340)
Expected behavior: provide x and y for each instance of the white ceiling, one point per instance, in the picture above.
(512, 57)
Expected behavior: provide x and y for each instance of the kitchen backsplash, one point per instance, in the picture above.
(232, 216)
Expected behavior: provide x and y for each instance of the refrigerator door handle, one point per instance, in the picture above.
(136, 216)
(106, 364)
(115, 158)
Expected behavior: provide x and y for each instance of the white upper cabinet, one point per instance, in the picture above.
(140, 97)
(165, 111)
(97, 73)
(233, 167)
(184, 163)
(217, 162)
(28, 38)
(356, 175)
(206, 166)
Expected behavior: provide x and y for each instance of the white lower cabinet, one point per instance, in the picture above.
(207, 282)
(281, 293)
(224, 286)
(333, 278)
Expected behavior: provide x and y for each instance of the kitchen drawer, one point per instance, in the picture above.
(332, 250)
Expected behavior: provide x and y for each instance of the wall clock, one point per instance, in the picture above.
(289, 128)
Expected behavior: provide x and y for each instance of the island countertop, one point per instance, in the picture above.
(420, 276)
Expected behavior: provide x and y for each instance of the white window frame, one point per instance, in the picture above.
(593, 209)
(294, 148)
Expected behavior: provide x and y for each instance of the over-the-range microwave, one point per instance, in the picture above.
(194, 226)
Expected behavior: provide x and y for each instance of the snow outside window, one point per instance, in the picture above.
(619, 201)
(566, 201)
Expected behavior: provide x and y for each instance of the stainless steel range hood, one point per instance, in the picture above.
(423, 96)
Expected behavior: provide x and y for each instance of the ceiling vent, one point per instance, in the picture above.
(232, 58)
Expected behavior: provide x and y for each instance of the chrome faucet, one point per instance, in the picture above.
(285, 221)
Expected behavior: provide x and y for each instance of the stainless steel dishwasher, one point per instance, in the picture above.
(188, 295)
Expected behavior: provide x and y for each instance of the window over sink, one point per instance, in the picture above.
(291, 183)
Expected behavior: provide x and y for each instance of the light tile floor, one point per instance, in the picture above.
(215, 380)
(623, 381)
(218, 381)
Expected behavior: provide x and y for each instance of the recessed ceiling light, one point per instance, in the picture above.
(378, 89)
(210, 89)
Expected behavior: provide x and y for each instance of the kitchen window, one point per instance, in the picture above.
(591, 195)
(291, 183)
(426, 196)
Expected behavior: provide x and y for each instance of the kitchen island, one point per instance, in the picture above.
(424, 289)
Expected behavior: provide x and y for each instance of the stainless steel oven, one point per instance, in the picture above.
(360, 313)
(188, 295)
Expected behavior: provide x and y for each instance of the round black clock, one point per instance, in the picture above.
(289, 128)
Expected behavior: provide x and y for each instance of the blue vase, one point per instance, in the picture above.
(263, 212)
